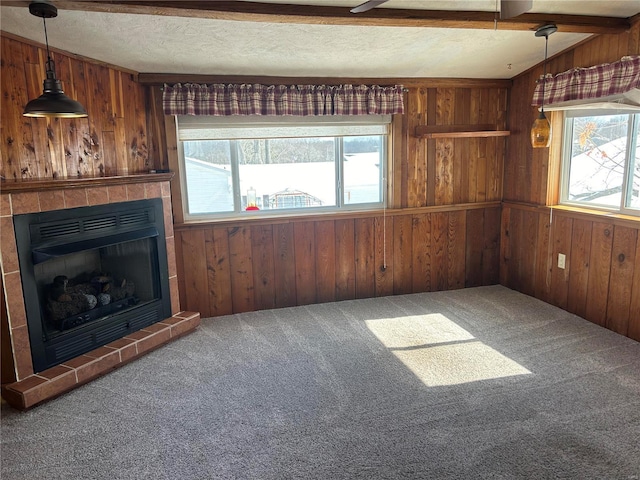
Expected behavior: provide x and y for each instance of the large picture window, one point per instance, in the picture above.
(252, 166)
(601, 164)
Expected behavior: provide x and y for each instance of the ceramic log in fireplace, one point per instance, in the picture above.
(91, 275)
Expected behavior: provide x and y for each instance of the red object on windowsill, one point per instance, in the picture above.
(252, 207)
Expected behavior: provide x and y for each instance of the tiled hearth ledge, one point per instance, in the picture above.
(57, 380)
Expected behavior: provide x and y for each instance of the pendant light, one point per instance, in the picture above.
(541, 128)
(53, 102)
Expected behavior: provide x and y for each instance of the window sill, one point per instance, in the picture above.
(262, 217)
(332, 215)
(605, 215)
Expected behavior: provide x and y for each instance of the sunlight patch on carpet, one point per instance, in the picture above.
(440, 352)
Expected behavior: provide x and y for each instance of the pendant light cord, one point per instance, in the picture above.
(46, 42)
(544, 74)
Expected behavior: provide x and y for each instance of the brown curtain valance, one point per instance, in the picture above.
(294, 100)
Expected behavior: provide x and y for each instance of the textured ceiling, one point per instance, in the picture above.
(166, 44)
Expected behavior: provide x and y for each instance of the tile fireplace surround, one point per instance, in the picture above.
(26, 388)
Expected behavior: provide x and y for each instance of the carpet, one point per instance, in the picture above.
(475, 383)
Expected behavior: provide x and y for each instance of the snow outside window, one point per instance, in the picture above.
(601, 161)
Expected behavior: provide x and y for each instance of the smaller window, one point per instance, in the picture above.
(601, 164)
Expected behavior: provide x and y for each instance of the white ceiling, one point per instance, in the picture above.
(168, 44)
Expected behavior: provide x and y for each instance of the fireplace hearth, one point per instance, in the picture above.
(91, 275)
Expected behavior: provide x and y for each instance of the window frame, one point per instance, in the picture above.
(633, 131)
(248, 122)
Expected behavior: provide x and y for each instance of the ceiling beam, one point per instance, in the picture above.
(318, 15)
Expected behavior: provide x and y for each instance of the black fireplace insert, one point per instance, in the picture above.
(91, 275)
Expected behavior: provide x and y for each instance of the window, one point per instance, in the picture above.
(601, 160)
(250, 165)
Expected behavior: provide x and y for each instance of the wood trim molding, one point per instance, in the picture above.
(171, 138)
(40, 185)
(554, 165)
(336, 215)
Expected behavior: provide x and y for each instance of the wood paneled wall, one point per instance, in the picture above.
(439, 234)
(113, 140)
(442, 234)
(601, 278)
(251, 266)
(601, 281)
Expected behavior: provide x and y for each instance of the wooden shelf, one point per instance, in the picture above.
(459, 131)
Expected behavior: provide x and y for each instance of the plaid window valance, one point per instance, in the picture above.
(296, 100)
(590, 83)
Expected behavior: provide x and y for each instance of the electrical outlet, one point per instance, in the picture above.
(561, 260)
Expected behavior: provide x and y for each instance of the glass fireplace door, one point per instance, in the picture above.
(85, 286)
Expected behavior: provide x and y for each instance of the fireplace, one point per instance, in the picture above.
(84, 237)
(91, 275)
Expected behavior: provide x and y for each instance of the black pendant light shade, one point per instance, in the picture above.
(541, 128)
(53, 102)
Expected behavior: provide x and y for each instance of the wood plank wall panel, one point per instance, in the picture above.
(241, 267)
(599, 272)
(421, 252)
(263, 266)
(294, 263)
(156, 130)
(456, 249)
(491, 246)
(383, 255)
(364, 258)
(474, 248)
(113, 140)
(325, 240)
(543, 260)
(196, 283)
(403, 255)
(414, 166)
(562, 234)
(579, 279)
(439, 247)
(284, 267)
(218, 271)
(345, 253)
(622, 269)
(596, 284)
(305, 263)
